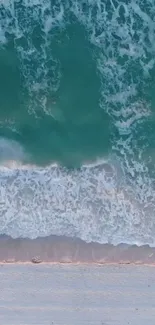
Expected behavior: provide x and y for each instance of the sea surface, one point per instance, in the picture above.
(77, 119)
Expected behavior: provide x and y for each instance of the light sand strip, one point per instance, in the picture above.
(77, 295)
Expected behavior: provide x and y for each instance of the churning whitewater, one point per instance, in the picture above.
(77, 119)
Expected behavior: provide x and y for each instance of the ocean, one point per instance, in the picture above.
(77, 119)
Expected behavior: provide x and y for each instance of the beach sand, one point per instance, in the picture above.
(75, 283)
(72, 250)
(58, 294)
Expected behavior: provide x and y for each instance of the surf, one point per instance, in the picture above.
(80, 79)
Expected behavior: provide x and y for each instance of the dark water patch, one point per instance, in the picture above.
(77, 128)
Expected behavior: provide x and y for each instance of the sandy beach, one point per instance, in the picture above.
(65, 281)
(61, 249)
(77, 294)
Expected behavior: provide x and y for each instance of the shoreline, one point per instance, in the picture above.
(61, 249)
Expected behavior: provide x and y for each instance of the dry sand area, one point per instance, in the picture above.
(69, 294)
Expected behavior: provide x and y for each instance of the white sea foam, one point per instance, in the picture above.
(114, 204)
(89, 203)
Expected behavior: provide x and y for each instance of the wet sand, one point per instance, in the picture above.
(61, 294)
(61, 249)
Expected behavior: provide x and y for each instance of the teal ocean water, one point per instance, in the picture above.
(77, 119)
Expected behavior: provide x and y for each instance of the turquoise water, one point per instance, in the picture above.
(65, 124)
(77, 119)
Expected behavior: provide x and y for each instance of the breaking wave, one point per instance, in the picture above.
(112, 200)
